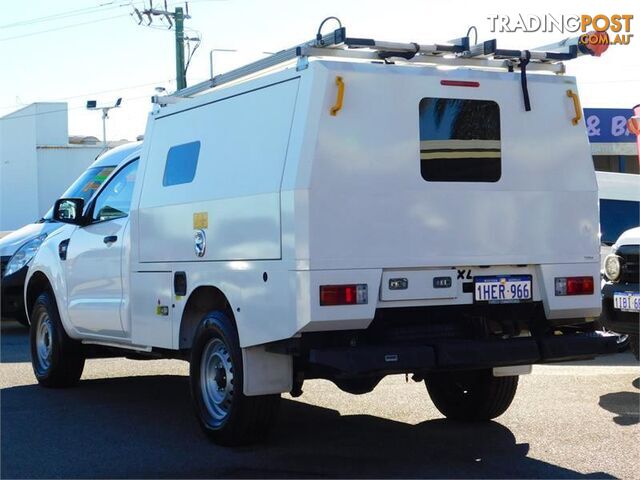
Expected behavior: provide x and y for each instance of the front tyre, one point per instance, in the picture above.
(225, 414)
(471, 395)
(57, 360)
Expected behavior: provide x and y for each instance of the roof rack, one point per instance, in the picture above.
(457, 52)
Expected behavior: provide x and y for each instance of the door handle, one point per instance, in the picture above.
(110, 239)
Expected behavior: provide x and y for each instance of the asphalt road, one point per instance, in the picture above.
(133, 419)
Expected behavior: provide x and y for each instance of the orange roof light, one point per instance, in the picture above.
(596, 43)
(633, 124)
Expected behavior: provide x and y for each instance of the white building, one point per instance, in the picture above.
(38, 161)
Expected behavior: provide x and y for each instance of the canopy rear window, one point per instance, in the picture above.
(459, 140)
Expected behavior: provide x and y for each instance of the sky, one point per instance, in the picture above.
(74, 51)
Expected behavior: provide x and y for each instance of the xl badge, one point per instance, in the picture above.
(200, 242)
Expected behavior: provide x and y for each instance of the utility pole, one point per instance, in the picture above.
(181, 80)
(170, 20)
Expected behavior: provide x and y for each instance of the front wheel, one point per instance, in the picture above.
(57, 360)
(226, 415)
(471, 395)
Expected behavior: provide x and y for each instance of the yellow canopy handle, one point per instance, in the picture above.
(576, 106)
(338, 105)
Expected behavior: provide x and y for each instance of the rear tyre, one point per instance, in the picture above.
(471, 395)
(633, 344)
(225, 414)
(57, 360)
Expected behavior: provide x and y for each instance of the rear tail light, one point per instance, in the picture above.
(355, 294)
(574, 286)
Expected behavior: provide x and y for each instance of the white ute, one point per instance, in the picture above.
(355, 213)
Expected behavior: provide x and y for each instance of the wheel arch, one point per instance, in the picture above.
(202, 300)
(38, 283)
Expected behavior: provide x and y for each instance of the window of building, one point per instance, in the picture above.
(459, 140)
(616, 163)
(182, 161)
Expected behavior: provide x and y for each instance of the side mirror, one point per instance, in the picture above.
(69, 210)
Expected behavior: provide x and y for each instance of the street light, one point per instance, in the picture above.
(92, 105)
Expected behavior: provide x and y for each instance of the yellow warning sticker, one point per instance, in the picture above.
(200, 220)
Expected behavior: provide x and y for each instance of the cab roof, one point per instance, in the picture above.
(116, 155)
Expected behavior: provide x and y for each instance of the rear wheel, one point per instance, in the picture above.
(471, 395)
(226, 415)
(57, 360)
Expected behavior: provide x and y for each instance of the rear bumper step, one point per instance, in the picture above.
(462, 354)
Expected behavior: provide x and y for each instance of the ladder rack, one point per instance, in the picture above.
(457, 52)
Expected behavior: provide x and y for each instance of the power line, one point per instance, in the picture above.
(63, 28)
(71, 13)
(84, 11)
(78, 11)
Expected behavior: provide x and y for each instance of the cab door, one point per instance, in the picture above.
(94, 259)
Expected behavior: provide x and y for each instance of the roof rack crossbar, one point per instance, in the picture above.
(387, 49)
(537, 55)
(484, 49)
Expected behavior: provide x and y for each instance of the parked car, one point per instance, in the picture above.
(619, 199)
(621, 291)
(18, 248)
(335, 219)
(619, 202)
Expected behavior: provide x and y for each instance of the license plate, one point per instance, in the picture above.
(627, 301)
(502, 288)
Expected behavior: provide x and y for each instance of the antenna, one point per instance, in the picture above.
(93, 105)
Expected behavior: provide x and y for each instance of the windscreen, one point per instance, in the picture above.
(617, 216)
(85, 186)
